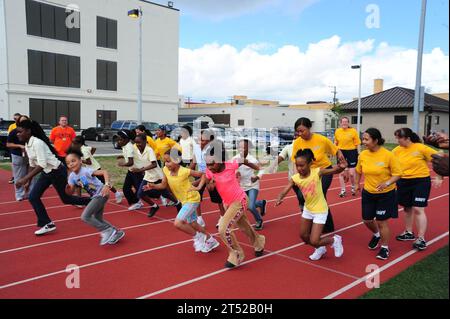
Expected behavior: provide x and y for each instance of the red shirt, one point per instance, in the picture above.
(62, 139)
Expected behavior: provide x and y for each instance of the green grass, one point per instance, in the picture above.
(428, 279)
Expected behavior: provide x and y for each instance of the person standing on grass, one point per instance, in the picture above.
(314, 216)
(88, 160)
(133, 178)
(322, 147)
(140, 129)
(249, 182)
(413, 189)
(199, 160)
(381, 170)
(187, 145)
(347, 140)
(145, 163)
(10, 129)
(42, 159)
(61, 136)
(176, 177)
(88, 179)
(223, 174)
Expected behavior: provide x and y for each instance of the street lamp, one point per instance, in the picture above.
(358, 121)
(137, 14)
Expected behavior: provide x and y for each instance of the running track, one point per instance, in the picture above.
(154, 260)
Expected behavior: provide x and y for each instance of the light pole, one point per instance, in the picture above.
(417, 100)
(358, 121)
(137, 14)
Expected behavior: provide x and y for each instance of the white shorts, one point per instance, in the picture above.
(317, 218)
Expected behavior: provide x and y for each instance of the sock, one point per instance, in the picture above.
(383, 246)
(377, 235)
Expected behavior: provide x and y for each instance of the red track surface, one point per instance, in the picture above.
(156, 261)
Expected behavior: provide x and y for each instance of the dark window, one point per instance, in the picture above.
(436, 120)
(106, 33)
(105, 118)
(400, 119)
(106, 75)
(49, 21)
(355, 120)
(241, 122)
(45, 68)
(48, 111)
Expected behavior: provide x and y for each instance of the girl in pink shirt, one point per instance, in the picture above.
(223, 175)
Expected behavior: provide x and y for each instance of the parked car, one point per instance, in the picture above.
(116, 126)
(4, 151)
(97, 134)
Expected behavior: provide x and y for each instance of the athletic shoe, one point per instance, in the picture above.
(218, 222)
(263, 208)
(200, 221)
(136, 206)
(117, 236)
(353, 192)
(420, 244)
(318, 253)
(260, 244)
(163, 201)
(383, 254)
(337, 246)
(153, 211)
(342, 194)
(406, 236)
(259, 225)
(199, 241)
(46, 229)
(373, 244)
(107, 235)
(209, 245)
(79, 206)
(171, 204)
(11, 181)
(240, 257)
(119, 197)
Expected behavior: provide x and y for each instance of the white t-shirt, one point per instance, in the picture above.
(187, 148)
(247, 173)
(286, 154)
(145, 159)
(86, 151)
(39, 154)
(127, 152)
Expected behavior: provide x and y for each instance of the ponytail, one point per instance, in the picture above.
(406, 132)
(38, 132)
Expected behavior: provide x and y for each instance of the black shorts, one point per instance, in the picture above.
(351, 157)
(414, 192)
(214, 195)
(379, 206)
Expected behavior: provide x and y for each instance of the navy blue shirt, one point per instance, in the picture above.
(12, 138)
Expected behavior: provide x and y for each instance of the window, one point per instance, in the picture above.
(241, 123)
(45, 68)
(106, 75)
(355, 120)
(400, 119)
(48, 111)
(48, 21)
(106, 33)
(436, 120)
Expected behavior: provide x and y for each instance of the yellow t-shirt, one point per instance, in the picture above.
(163, 145)
(320, 146)
(413, 160)
(151, 142)
(378, 167)
(180, 185)
(12, 127)
(347, 139)
(86, 151)
(311, 188)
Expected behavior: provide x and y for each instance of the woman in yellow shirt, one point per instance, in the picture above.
(347, 140)
(315, 212)
(381, 171)
(415, 185)
(322, 147)
(164, 143)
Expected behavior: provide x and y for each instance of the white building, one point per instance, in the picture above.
(89, 73)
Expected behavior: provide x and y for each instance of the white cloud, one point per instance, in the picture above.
(215, 72)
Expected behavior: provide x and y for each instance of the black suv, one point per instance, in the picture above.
(97, 134)
(4, 125)
(116, 126)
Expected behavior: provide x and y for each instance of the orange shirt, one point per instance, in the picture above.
(62, 139)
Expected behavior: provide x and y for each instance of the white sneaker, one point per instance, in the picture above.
(46, 229)
(337, 246)
(163, 201)
(210, 244)
(136, 206)
(119, 197)
(199, 241)
(318, 253)
(200, 221)
(107, 235)
(218, 222)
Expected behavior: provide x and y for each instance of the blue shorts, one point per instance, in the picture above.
(188, 212)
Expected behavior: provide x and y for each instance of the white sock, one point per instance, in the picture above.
(377, 235)
(382, 246)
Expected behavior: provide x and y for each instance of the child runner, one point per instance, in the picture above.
(381, 171)
(140, 129)
(187, 145)
(43, 160)
(132, 179)
(176, 177)
(87, 178)
(413, 189)
(249, 182)
(347, 140)
(224, 176)
(145, 163)
(88, 160)
(315, 211)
